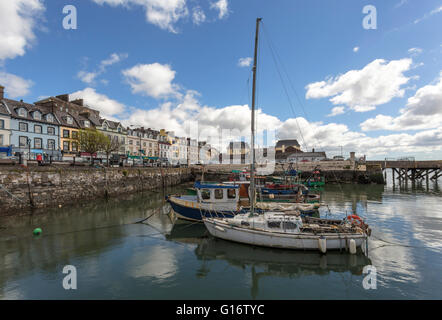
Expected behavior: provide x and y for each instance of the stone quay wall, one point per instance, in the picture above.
(23, 189)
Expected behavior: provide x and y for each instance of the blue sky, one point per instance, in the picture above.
(153, 63)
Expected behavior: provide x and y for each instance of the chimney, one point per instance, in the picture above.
(352, 156)
(78, 102)
(313, 150)
(2, 92)
(64, 97)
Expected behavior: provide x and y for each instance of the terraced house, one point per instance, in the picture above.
(116, 132)
(33, 130)
(73, 116)
(5, 128)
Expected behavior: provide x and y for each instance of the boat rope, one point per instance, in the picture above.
(13, 196)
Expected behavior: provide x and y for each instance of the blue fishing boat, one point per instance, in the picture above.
(212, 199)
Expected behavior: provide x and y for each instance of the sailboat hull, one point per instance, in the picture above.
(280, 240)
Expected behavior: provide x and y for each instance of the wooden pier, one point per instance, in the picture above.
(411, 170)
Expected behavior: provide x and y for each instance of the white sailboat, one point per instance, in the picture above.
(282, 228)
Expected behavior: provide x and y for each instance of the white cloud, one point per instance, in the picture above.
(423, 111)
(355, 49)
(428, 15)
(362, 90)
(18, 18)
(336, 111)
(15, 86)
(198, 15)
(153, 80)
(415, 51)
(245, 62)
(162, 13)
(222, 6)
(89, 77)
(108, 108)
(401, 3)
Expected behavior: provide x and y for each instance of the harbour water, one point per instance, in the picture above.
(116, 258)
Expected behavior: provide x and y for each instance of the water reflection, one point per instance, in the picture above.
(263, 262)
(164, 257)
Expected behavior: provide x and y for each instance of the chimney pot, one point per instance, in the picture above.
(2, 92)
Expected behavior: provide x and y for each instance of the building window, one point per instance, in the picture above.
(37, 129)
(86, 124)
(51, 130)
(74, 135)
(74, 146)
(23, 126)
(37, 143)
(131, 142)
(1, 139)
(51, 144)
(23, 141)
(49, 118)
(37, 115)
(22, 112)
(69, 120)
(65, 145)
(2, 124)
(65, 133)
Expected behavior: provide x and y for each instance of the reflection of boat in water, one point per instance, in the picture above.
(264, 262)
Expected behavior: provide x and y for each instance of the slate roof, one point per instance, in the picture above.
(286, 143)
(13, 106)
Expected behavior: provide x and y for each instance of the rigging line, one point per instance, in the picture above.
(299, 100)
(288, 78)
(285, 89)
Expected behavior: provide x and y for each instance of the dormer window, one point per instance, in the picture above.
(119, 129)
(69, 120)
(37, 115)
(49, 118)
(22, 112)
(105, 127)
(87, 124)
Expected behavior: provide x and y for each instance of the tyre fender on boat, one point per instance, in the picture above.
(322, 243)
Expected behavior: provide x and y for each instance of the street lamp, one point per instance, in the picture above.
(29, 147)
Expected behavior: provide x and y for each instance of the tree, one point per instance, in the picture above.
(110, 145)
(91, 141)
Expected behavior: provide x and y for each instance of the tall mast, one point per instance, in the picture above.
(252, 142)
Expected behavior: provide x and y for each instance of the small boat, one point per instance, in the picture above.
(225, 200)
(212, 199)
(289, 231)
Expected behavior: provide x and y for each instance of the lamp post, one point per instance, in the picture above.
(29, 147)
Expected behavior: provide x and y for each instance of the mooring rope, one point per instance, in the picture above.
(6, 190)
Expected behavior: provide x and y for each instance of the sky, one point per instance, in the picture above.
(335, 75)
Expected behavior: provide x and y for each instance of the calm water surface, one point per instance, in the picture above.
(168, 259)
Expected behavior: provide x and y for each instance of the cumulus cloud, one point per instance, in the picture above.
(188, 118)
(108, 107)
(153, 80)
(15, 86)
(89, 77)
(162, 13)
(362, 90)
(18, 19)
(336, 111)
(355, 49)
(245, 62)
(222, 6)
(423, 111)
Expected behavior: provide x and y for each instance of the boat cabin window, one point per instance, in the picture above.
(205, 194)
(231, 193)
(218, 193)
